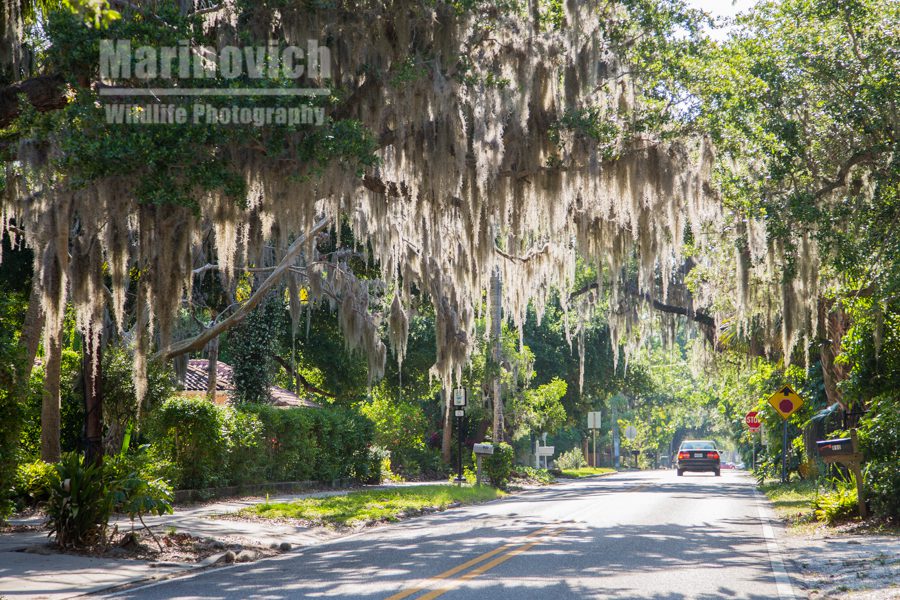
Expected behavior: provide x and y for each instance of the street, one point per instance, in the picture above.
(631, 535)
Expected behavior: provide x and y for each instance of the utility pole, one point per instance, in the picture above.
(496, 330)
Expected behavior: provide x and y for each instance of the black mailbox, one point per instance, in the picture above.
(837, 447)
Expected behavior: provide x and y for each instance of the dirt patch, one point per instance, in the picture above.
(858, 559)
(174, 548)
(7, 528)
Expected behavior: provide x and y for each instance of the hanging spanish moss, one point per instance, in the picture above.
(478, 172)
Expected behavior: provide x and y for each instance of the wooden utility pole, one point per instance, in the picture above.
(496, 330)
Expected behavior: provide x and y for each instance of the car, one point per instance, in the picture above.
(727, 465)
(698, 455)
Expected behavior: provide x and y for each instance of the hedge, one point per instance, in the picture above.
(214, 446)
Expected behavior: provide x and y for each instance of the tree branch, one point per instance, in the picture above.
(699, 317)
(298, 377)
(863, 156)
(44, 93)
(199, 341)
(523, 259)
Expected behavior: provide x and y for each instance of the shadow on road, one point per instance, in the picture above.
(581, 562)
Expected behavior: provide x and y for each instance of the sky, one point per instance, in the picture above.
(722, 8)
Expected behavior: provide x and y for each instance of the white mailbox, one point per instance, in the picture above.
(546, 450)
(483, 448)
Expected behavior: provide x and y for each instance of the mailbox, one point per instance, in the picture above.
(846, 451)
(483, 448)
(545, 450)
(836, 447)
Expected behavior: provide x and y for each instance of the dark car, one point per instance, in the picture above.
(698, 455)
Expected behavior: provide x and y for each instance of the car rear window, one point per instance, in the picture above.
(698, 446)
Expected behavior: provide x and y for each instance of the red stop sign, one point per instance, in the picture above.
(752, 421)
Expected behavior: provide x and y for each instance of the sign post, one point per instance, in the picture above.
(594, 425)
(630, 434)
(785, 402)
(752, 421)
(459, 406)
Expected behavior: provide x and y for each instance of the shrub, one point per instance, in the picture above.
(120, 403)
(498, 466)
(34, 481)
(213, 445)
(879, 437)
(136, 496)
(12, 308)
(573, 459)
(80, 503)
(380, 465)
(190, 433)
(839, 505)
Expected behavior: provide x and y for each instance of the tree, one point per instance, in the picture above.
(250, 188)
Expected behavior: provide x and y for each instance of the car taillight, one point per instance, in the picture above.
(712, 455)
(683, 455)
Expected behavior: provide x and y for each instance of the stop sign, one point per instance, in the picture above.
(751, 420)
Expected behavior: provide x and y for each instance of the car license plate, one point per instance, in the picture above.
(698, 455)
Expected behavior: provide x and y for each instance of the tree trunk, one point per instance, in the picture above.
(833, 323)
(213, 367)
(50, 407)
(93, 402)
(30, 339)
(496, 292)
(447, 433)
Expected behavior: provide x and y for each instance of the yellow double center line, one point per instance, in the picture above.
(506, 552)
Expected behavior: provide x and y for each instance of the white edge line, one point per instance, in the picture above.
(782, 579)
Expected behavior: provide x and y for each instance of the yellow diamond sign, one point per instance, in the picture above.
(786, 401)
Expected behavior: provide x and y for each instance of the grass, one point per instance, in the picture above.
(372, 506)
(792, 501)
(586, 472)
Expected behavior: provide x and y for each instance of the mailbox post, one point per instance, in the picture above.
(846, 452)
(481, 450)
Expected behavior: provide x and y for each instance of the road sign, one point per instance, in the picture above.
(545, 450)
(786, 402)
(752, 420)
(594, 420)
(630, 432)
(459, 397)
(460, 413)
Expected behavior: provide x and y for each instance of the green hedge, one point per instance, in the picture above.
(879, 437)
(218, 446)
(499, 465)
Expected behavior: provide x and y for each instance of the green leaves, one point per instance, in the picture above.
(80, 503)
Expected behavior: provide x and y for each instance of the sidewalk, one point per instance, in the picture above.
(29, 569)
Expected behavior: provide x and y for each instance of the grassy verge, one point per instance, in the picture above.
(372, 506)
(586, 472)
(532, 476)
(792, 501)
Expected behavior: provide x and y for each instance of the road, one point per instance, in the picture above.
(632, 535)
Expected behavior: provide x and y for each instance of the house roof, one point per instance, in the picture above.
(196, 377)
(196, 380)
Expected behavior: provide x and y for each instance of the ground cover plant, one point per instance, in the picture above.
(372, 506)
(582, 472)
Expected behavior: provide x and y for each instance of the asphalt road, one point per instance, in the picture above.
(633, 535)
